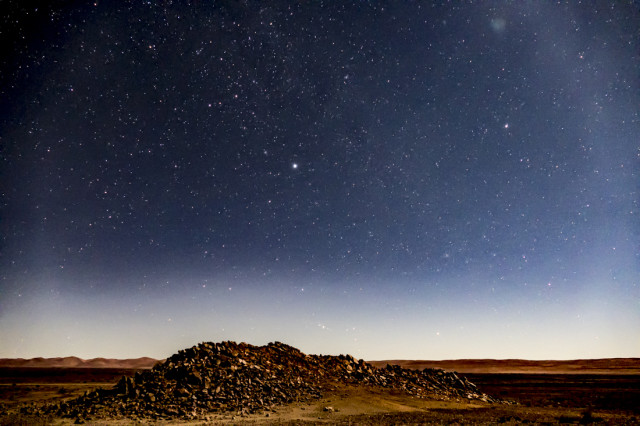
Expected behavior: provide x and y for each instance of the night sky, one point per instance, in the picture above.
(385, 179)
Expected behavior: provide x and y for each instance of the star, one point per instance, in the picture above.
(246, 161)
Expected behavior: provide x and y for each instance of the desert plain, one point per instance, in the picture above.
(603, 391)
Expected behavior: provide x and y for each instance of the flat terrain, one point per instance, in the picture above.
(598, 391)
(549, 397)
(26, 385)
(617, 366)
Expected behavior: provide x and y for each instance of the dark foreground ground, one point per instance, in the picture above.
(594, 391)
(541, 399)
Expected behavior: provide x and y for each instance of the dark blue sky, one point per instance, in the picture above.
(377, 178)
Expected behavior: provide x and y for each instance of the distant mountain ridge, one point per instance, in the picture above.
(75, 362)
(579, 366)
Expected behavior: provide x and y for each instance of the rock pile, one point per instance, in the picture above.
(219, 377)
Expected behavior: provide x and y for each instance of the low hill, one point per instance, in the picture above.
(75, 362)
(579, 366)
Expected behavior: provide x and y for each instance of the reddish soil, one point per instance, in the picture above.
(521, 366)
(609, 395)
(593, 391)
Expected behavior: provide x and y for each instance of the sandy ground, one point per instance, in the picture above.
(372, 406)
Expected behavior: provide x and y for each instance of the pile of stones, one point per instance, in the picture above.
(238, 377)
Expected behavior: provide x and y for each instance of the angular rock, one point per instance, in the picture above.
(242, 378)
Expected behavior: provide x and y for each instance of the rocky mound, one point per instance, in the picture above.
(218, 377)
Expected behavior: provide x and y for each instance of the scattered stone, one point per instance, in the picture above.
(242, 379)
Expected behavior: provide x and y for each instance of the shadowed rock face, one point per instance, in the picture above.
(227, 376)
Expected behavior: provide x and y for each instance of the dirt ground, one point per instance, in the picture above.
(541, 398)
(607, 366)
